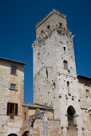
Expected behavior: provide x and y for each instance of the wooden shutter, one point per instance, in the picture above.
(8, 108)
(16, 109)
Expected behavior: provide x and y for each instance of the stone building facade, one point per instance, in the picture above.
(11, 96)
(61, 98)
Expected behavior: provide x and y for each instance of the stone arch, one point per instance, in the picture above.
(72, 123)
(12, 134)
(71, 112)
(25, 133)
(87, 85)
(36, 132)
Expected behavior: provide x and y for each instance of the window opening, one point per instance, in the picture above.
(42, 31)
(46, 73)
(68, 90)
(60, 24)
(87, 93)
(64, 48)
(13, 70)
(54, 84)
(25, 115)
(12, 86)
(90, 118)
(48, 27)
(71, 119)
(65, 64)
(12, 108)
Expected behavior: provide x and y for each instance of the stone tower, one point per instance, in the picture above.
(55, 78)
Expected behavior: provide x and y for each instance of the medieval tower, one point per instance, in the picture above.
(62, 100)
(55, 78)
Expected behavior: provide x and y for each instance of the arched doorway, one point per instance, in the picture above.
(72, 131)
(71, 112)
(12, 134)
(25, 133)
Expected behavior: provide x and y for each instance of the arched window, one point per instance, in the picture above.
(65, 64)
(26, 133)
(64, 48)
(71, 119)
(12, 134)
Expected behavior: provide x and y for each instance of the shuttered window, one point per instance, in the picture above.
(12, 86)
(13, 70)
(12, 108)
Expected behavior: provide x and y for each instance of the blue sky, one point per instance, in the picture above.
(17, 32)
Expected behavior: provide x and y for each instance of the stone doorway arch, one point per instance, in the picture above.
(72, 123)
(71, 114)
(12, 134)
(25, 133)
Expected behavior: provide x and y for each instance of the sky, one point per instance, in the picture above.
(17, 32)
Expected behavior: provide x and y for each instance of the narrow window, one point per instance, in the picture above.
(90, 118)
(12, 86)
(13, 70)
(46, 73)
(12, 109)
(87, 93)
(54, 84)
(42, 32)
(48, 27)
(65, 64)
(60, 24)
(25, 115)
(68, 90)
(64, 48)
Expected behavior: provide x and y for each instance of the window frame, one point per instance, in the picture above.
(65, 63)
(87, 93)
(11, 86)
(13, 70)
(68, 87)
(12, 108)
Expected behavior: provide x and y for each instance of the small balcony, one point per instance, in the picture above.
(71, 123)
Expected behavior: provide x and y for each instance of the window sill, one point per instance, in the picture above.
(10, 114)
(13, 89)
(13, 74)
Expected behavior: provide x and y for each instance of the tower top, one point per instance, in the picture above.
(53, 11)
(52, 19)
